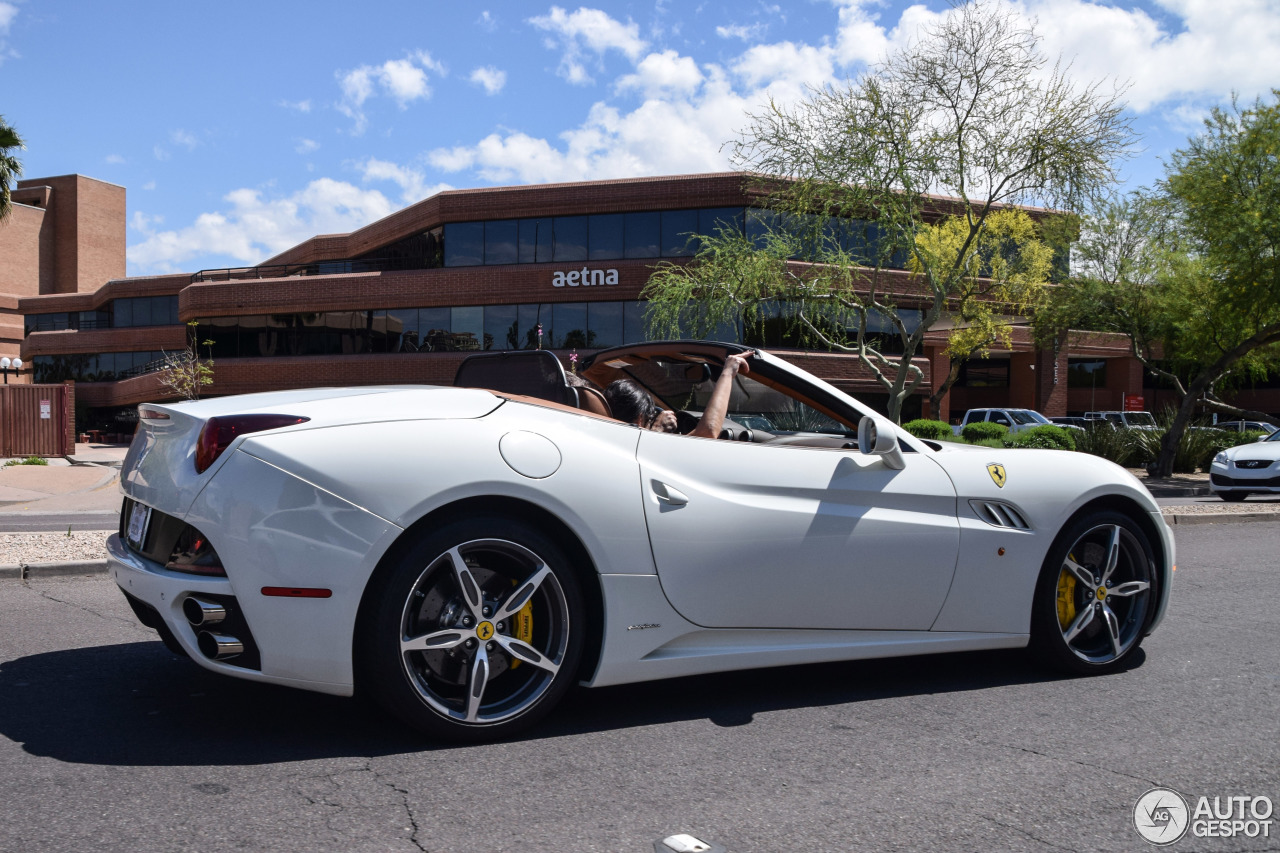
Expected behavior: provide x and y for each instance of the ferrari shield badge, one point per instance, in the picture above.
(996, 470)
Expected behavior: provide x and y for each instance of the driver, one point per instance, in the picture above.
(631, 403)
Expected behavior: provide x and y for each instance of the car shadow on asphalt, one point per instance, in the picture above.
(136, 704)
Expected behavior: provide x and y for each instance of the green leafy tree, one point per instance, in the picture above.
(970, 110)
(185, 373)
(10, 165)
(1191, 272)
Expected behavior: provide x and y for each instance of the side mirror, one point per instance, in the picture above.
(876, 438)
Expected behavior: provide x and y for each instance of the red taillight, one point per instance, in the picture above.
(218, 433)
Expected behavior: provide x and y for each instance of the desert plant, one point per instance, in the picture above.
(30, 460)
(1116, 445)
(1045, 437)
(925, 428)
(977, 433)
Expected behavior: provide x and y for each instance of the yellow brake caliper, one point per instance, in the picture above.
(523, 626)
(1066, 597)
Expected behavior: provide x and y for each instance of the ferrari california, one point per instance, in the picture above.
(466, 555)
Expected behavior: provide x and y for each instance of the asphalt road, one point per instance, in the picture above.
(108, 742)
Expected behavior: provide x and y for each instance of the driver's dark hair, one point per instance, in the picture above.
(631, 403)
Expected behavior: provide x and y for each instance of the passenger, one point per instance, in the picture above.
(630, 402)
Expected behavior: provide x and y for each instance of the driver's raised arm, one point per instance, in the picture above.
(712, 420)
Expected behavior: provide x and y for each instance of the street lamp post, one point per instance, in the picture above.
(6, 363)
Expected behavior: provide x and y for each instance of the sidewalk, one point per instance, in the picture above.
(84, 482)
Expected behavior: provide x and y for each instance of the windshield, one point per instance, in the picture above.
(1275, 436)
(687, 385)
(1039, 418)
(1022, 417)
(1140, 419)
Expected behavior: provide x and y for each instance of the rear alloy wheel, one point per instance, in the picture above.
(1095, 595)
(477, 632)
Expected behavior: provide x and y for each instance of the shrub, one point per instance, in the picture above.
(924, 428)
(1116, 445)
(976, 433)
(30, 460)
(1045, 437)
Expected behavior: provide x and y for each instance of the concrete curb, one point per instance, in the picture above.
(1175, 492)
(1220, 517)
(27, 571)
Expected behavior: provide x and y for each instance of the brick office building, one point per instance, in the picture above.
(405, 298)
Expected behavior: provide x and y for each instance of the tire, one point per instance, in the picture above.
(1233, 497)
(476, 632)
(1096, 595)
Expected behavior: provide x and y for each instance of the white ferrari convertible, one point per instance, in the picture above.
(465, 555)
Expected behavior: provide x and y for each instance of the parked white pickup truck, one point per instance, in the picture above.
(1015, 419)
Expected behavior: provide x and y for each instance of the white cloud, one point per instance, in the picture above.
(575, 33)
(742, 32)
(149, 185)
(487, 21)
(8, 12)
(405, 80)
(412, 182)
(115, 159)
(161, 153)
(253, 227)
(185, 139)
(297, 106)
(492, 79)
(663, 75)
(306, 146)
(1222, 46)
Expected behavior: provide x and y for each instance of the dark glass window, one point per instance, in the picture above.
(466, 327)
(569, 326)
(1086, 373)
(433, 327)
(635, 322)
(529, 316)
(713, 220)
(501, 331)
(643, 235)
(142, 308)
(570, 238)
(500, 242)
(604, 319)
(402, 330)
(123, 309)
(760, 224)
(536, 240)
(984, 373)
(606, 236)
(463, 244)
(678, 229)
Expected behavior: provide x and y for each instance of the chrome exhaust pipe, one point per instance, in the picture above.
(201, 612)
(218, 646)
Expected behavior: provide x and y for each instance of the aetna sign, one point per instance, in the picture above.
(584, 278)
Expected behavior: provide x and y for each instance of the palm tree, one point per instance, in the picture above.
(10, 165)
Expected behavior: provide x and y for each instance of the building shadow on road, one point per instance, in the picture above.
(137, 705)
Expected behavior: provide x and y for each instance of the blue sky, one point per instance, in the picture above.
(242, 128)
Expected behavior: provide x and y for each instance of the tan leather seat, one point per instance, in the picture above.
(591, 400)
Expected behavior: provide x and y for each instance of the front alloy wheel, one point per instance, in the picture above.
(485, 634)
(1095, 594)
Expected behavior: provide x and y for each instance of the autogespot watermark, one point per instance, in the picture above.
(1162, 816)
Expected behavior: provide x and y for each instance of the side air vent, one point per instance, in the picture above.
(999, 514)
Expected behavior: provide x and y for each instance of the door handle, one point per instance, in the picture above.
(668, 495)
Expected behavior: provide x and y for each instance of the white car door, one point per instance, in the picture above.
(748, 535)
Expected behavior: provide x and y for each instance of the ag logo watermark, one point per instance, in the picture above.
(1162, 816)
